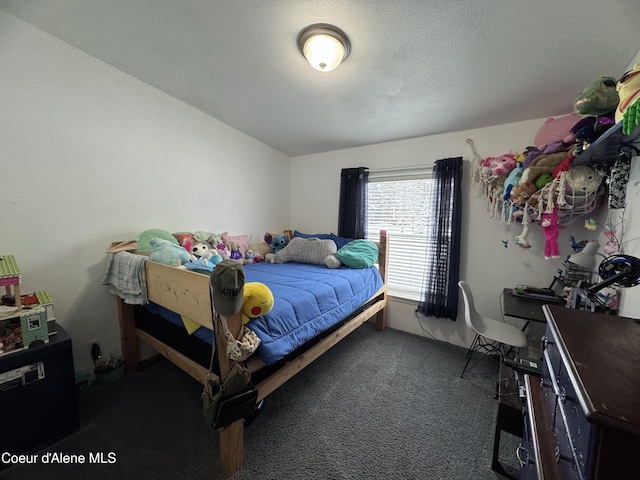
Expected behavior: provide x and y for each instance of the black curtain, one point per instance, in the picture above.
(440, 298)
(352, 213)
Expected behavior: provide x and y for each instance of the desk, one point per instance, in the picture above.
(526, 308)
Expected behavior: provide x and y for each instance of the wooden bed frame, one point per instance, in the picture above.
(187, 293)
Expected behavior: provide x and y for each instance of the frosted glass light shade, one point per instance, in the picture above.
(324, 46)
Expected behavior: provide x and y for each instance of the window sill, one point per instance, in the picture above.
(408, 301)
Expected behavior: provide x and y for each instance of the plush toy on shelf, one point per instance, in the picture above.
(628, 88)
(498, 166)
(550, 223)
(598, 98)
(521, 194)
(258, 300)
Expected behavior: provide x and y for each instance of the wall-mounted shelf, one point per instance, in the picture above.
(604, 151)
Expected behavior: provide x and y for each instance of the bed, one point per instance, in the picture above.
(183, 293)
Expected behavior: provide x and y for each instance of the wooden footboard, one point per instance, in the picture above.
(187, 293)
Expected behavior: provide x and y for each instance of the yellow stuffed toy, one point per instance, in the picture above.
(629, 92)
(257, 301)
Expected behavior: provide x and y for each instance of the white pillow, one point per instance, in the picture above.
(306, 250)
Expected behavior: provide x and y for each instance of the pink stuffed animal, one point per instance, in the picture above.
(496, 166)
(549, 223)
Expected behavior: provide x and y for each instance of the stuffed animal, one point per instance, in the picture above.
(598, 98)
(277, 242)
(550, 223)
(249, 257)
(542, 180)
(200, 265)
(168, 253)
(583, 180)
(522, 193)
(521, 240)
(223, 250)
(512, 180)
(579, 188)
(235, 253)
(497, 166)
(628, 88)
(204, 249)
(258, 300)
(542, 164)
(589, 129)
(556, 130)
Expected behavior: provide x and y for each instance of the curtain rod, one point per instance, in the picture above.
(399, 169)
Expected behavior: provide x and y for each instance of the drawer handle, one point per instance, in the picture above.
(563, 395)
(525, 452)
(545, 342)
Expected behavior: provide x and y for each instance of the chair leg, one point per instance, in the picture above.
(489, 347)
(472, 348)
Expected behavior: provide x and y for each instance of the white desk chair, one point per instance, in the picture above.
(492, 336)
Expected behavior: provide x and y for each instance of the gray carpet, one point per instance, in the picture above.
(378, 405)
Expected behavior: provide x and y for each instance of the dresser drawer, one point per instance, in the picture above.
(581, 432)
(572, 432)
(563, 449)
(551, 351)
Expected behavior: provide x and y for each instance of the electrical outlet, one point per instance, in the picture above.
(92, 349)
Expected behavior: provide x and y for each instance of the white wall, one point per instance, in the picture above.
(90, 155)
(486, 264)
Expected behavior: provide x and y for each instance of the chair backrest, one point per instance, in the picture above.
(470, 313)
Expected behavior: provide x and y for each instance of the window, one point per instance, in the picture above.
(400, 204)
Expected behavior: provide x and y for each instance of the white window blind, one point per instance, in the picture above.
(399, 202)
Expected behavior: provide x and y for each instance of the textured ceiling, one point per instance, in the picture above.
(416, 68)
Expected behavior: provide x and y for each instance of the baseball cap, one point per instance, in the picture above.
(227, 287)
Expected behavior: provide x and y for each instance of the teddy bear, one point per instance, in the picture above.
(550, 223)
(257, 300)
(277, 242)
(521, 194)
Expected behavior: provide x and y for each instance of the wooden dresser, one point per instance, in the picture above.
(583, 417)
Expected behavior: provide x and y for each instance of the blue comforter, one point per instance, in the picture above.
(308, 299)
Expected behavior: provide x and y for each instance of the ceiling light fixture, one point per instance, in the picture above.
(324, 46)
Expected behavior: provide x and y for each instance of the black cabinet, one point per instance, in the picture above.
(38, 403)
